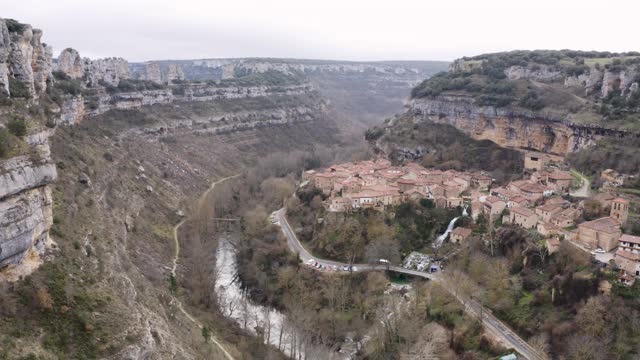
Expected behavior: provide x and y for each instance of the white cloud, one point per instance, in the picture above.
(330, 29)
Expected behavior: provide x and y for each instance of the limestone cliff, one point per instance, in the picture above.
(510, 127)
(25, 62)
(552, 101)
(99, 72)
(26, 170)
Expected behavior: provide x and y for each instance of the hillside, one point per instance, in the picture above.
(96, 170)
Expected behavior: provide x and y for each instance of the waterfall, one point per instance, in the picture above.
(443, 237)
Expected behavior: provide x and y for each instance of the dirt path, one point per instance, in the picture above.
(175, 300)
(198, 207)
(584, 190)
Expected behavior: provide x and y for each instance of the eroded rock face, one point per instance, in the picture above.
(153, 72)
(24, 59)
(174, 72)
(25, 206)
(538, 73)
(106, 71)
(41, 62)
(5, 48)
(21, 57)
(72, 111)
(70, 63)
(25, 220)
(507, 127)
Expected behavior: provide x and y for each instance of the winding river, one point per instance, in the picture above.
(273, 326)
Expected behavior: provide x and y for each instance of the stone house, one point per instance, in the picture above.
(553, 244)
(452, 202)
(481, 182)
(547, 211)
(628, 254)
(612, 178)
(522, 217)
(547, 229)
(518, 201)
(600, 233)
(562, 221)
(459, 235)
(493, 207)
(534, 160)
(558, 180)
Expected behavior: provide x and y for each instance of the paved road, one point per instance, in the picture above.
(491, 323)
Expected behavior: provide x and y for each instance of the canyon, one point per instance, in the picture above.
(113, 155)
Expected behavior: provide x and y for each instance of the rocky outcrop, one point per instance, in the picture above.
(153, 72)
(106, 71)
(589, 81)
(70, 63)
(24, 60)
(72, 111)
(21, 57)
(99, 72)
(25, 220)
(25, 207)
(5, 49)
(602, 82)
(42, 61)
(535, 72)
(509, 127)
(174, 72)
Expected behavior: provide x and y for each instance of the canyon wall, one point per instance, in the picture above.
(508, 127)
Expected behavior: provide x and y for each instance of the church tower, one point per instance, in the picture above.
(620, 209)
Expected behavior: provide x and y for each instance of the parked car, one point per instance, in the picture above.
(345, 268)
(335, 268)
(600, 251)
(355, 268)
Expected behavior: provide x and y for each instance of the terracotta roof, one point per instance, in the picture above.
(549, 207)
(549, 226)
(523, 211)
(630, 238)
(534, 188)
(518, 199)
(606, 224)
(604, 196)
(560, 175)
(492, 199)
(628, 255)
(554, 241)
(621, 200)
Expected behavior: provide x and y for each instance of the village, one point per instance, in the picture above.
(539, 203)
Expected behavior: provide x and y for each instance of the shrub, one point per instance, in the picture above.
(17, 127)
(5, 142)
(18, 89)
(532, 101)
(373, 134)
(15, 26)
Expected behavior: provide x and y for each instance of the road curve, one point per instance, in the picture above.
(490, 322)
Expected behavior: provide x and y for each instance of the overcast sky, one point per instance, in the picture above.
(327, 29)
